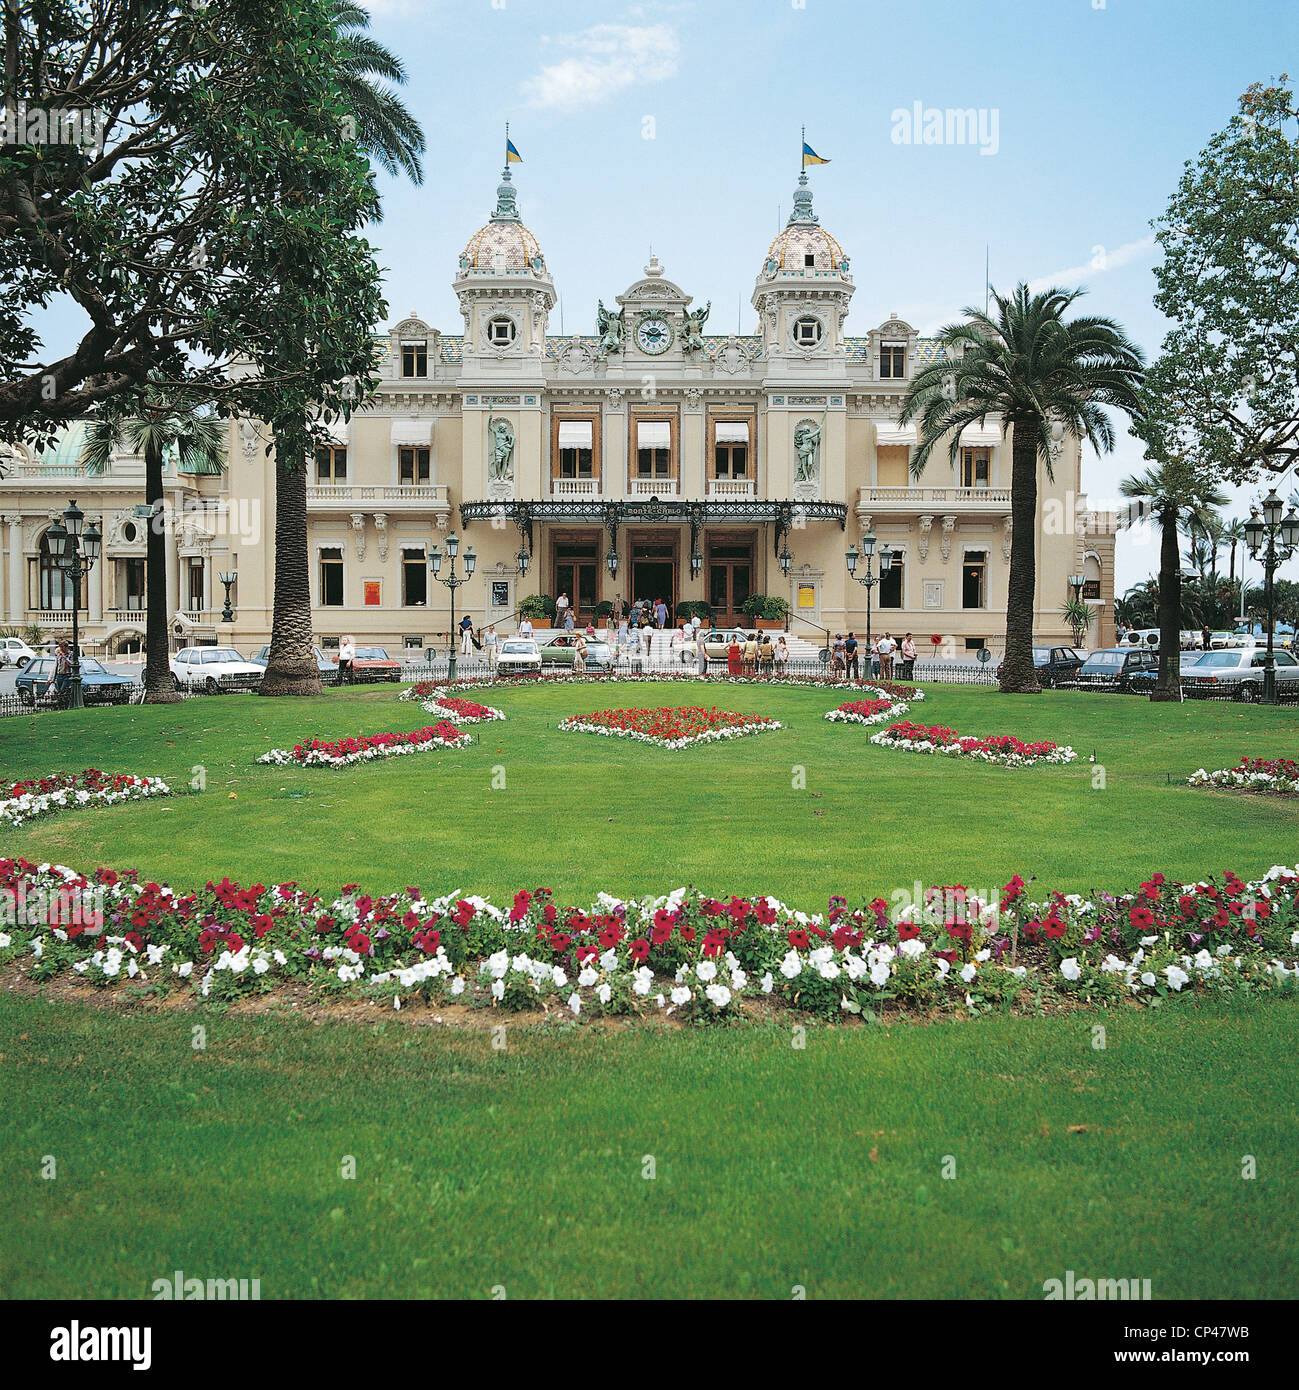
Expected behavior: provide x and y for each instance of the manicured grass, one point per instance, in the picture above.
(775, 1166)
(800, 813)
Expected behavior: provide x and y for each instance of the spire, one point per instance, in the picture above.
(506, 211)
(802, 214)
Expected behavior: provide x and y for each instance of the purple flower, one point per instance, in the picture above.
(999, 947)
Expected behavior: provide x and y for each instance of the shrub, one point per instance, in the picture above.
(537, 606)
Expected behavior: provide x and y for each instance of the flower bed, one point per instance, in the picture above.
(364, 748)
(423, 690)
(888, 703)
(668, 727)
(461, 711)
(685, 954)
(1253, 775)
(64, 791)
(1004, 749)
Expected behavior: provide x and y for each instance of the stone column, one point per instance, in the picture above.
(171, 543)
(95, 597)
(15, 598)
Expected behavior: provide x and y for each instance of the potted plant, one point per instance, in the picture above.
(775, 612)
(539, 609)
(690, 608)
(603, 608)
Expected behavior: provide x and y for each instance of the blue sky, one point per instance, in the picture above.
(1098, 103)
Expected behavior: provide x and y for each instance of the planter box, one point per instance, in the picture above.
(769, 625)
(539, 623)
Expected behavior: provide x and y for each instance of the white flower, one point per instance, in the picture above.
(498, 989)
(588, 976)
(767, 982)
(706, 970)
(604, 994)
(558, 976)
(912, 947)
(1070, 968)
(575, 1002)
(681, 995)
(1177, 977)
(1147, 977)
(880, 974)
(458, 985)
(609, 961)
(718, 995)
(791, 967)
(968, 972)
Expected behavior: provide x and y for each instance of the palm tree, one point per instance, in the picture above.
(1233, 535)
(1045, 378)
(154, 423)
(1172, 489)
(387, 132)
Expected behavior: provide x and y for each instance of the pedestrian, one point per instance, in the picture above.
(734, 656)
(766, 656)
(875, 656)
(634, 646)
(525, 628)
(850, 652)
(661, 613)
(579, 655)
(346, 658)
(696, 624)
(701, 651)
(1206, 637)
(887, 647)
(62, 672)
(569, 621)
(782, 656)
(751, 654)
(489, 645)
(908, 658)
(624, 630)
(466, 635)
(561, 608)
(838, 656)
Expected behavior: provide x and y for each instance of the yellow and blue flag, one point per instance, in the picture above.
(512, 156)
(810, 156)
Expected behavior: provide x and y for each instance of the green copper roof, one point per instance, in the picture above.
(65, 452)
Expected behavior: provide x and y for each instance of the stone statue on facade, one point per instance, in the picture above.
(609, 328)
(692, 331)
(807, 449)
(500, 467)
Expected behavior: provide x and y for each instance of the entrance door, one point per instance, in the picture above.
(653, 571)
(730, 582)
(577, 574)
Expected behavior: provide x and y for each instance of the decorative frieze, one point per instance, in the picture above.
(949, 525)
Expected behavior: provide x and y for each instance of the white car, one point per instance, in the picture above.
(15, 652)
(214, 669)
(518, 656)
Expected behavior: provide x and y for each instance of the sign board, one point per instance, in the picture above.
(500, 593)
(373, 593)
(807, 595)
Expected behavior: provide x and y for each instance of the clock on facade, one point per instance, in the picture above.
(654, 334)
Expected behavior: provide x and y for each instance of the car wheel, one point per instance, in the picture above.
(26, 696)
(22, 661)
(1248, 692)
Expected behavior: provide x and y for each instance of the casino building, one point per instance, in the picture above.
(648, 459)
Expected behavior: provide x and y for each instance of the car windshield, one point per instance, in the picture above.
(1041, 655)
(371, 654)
(1219, 659)
(519, 649)
(218, 655)
(91, 667)
(40, 667)
(1106, 659)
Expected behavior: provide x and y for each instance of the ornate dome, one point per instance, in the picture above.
(803, 236)
(504, 243)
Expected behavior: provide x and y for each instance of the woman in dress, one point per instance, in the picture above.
(751, 654)
(579, 655)
(782, 655)
(734, 656)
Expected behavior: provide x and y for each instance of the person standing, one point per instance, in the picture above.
(766, 656)
(701, 651)
(661, 614)
(346, 658)
(850, 653)
(489, 646)
(838, 656)
(62, 672)
(579, 655)
(908, 658)
(1206, 637)
(875, 656)
(734, 656)
(561, 608)
(569, 621)
(782, 656)
(751, 654)
(634, 646)
(525, 628)
(466, 635)
(887, 647)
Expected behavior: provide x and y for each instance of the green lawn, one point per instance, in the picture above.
(775, 1167)
(580, 813)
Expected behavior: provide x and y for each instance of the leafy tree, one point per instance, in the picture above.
(153, 421)
(1046, 377)
(1229, 281)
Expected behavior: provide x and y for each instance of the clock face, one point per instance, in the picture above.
(654, 335)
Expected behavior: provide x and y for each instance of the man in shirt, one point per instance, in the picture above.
(561, 607)
(887, 647)
(525, 628)
(850, 653)
(908, 658)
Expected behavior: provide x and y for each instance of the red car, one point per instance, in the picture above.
(374, 664)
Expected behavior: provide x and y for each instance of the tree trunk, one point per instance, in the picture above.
(291, 665)
(1168, 685)
(1018, 674)
(159, 685)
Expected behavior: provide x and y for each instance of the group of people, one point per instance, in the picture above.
(888, 657)
(757, 655)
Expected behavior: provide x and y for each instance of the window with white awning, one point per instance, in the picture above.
(576, 445)
(731, 449)
(411, 431)
(653, 448)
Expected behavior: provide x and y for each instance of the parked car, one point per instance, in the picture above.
(1140, 637)
(1119, 668)
(717, 641)
(99, 686)
(1223, 640)
(374, 664)
(1055, 664)
(15, 652)
(328, 669)
(559, 648)
(1239, 673)
(214, 669)
(518, 656)
(1190, 641)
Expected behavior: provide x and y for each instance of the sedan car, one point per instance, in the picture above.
(1118, 668)
(1239, 673)
(374, 664)
(99, 686)
(214, 669)
(1055, 664)
(558, 649)
(328, 669)
(717, 642)
(518, 656)
(15, 652)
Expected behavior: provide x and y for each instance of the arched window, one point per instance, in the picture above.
(54, 587)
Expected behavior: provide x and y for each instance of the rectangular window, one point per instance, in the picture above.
(576, 458)
(331, 464)
(412, 644)
(893, 361)
(130, 585)
(194, 570)
(974, 577)
(414, 359)
(653, 448)
(891, 584)
(331, 576)
(412, 466)
(975, 467)
(414, 578)
(731, 441)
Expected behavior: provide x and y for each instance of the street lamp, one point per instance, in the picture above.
(696, 563)
(868, 580)
(453, 581)
(75, 550)
(786, 560)
(1272, 539)
(1076, 582)
(611, 563)
(522, 560)
(227, 613)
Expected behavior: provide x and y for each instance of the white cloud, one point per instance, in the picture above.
(602, 61)
(1101, 261)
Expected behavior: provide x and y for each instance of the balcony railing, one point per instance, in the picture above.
(575, 487)
(921, 498)
(652, 487)
(732, 487)
(418, 494)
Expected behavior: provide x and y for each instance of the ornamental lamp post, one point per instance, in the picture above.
(75, 550)
(453, 581)
(228, 579)
(1076, 582)
(611, 563)
(1271, 539)
(868, 580)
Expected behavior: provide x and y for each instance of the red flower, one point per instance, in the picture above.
(798, 939)
(1142, 918)
(639, 949)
